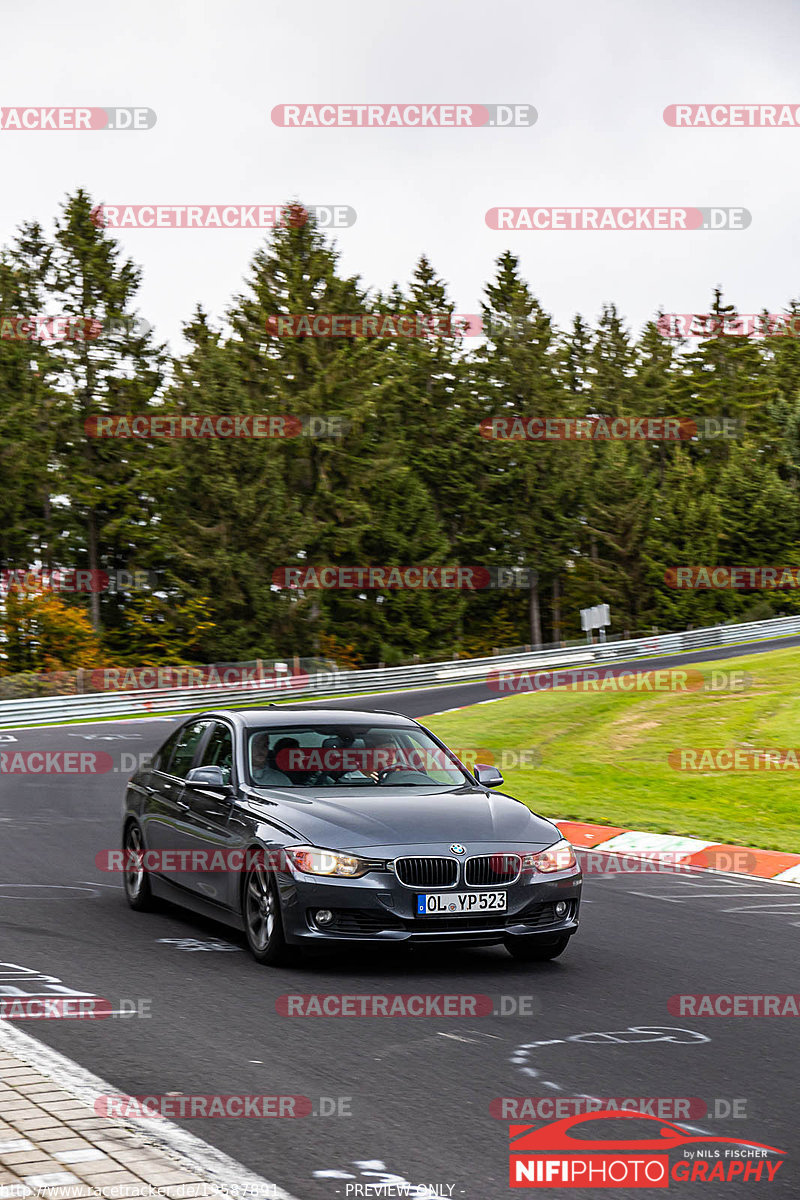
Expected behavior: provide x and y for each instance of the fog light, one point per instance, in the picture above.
(323, 916)
(561, 908)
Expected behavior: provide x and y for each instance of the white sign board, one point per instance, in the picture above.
(596, 617)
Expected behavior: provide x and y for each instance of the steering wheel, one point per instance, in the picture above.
(399, 767)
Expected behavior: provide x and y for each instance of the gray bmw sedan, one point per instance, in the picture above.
(308, 826)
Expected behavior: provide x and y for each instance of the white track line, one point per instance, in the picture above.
(192, 1152)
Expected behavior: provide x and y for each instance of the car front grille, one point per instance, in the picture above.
(426, 872)
(492, 869)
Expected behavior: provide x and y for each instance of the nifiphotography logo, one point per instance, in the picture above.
(585, 1151)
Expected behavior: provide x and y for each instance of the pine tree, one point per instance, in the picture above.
(110, 366)
(529, 510)
(26, 438)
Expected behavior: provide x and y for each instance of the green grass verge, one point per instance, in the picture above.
(604, 755)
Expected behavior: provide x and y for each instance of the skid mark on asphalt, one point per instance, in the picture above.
(481, 1037)
(44, 891)
(459, 1035)
(195, 944)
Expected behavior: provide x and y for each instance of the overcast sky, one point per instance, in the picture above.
(599, 76)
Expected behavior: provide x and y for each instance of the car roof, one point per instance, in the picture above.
(289, 715)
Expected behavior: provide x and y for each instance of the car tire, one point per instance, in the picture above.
(534, 949)
(138, 892)
(263, 921)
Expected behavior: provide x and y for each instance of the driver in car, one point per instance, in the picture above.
(387, 759)
(259, 752)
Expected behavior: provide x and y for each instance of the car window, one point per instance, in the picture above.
(219, 751)
(162, 757)
(349, 756)
(185, 747)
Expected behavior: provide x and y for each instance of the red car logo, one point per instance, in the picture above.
(556, 1136)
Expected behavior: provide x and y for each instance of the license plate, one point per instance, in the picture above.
(451, 904)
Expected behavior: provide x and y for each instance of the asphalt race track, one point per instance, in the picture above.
(418, 1089)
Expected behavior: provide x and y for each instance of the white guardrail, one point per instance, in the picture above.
(52, 710)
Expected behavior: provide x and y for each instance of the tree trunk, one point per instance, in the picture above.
(534, 615)
(556, 609)
(47, 549)
(94, 577)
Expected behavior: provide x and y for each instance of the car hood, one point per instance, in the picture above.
(351, 819)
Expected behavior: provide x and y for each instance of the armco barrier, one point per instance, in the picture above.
(52, 710)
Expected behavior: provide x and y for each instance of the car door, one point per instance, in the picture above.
(212, 825)
(168, 823)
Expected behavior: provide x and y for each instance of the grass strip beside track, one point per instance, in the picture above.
(603, 755)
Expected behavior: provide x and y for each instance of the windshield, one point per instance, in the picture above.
(344, 756)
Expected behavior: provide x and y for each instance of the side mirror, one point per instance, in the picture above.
(208, 777)
(488, 776)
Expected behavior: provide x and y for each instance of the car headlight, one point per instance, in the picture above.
(559, 857)
(312, 861)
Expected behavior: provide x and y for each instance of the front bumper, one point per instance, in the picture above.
(378, 908)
